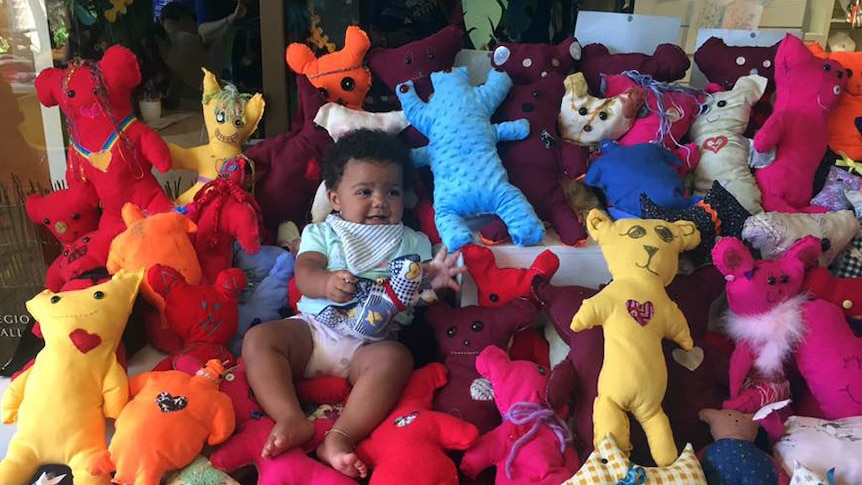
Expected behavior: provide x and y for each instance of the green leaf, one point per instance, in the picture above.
(481, 18)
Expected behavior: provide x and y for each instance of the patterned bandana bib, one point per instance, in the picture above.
(365, 246)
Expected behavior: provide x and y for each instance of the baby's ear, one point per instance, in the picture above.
(731, 257)
(805, 251)
(689, 236)
(597, 222)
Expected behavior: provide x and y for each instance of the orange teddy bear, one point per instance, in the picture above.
(164, 427)
(339, 76)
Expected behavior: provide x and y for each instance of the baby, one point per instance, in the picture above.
(365, 175)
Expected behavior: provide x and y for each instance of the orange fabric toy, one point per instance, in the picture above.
(845, 122)
(339, 76)
(165, 425)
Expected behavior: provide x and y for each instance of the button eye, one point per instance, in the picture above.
(477, 326)
(86, 239)
(55, 299)
(46, 221)
(452, 331)
(221, 117)
(583, 111)
(70, 93)
(323, 92)
(827, 67)
(721, 104)
(238, 122)
(542, 370)
(603, 116)
(494, 297)
(99, 295)
(76, 216)
(348, 84)
(784, 279)
(536, 94)
(770, 280)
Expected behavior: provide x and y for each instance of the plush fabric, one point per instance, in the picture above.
(339, 120)
(689, 390)
(723, 64)
(204, 317)
(201, 471)
(807, 89)
(498, 286)
(157, 239)
(110, 150)
(804, 476)
(230, 118)
(832, 195)
(469, 178)
(533, 164)
(77, 369)
(533, 444)
(766, 318)
(667, 63)
(671, 110)
(623, 173)
(724, 151)
(608, 465)
(717, 214)
(223, 213)
(416, 61)
(526, 63)
(636, 314)
(264, 297)
(734, 459)
(772, 233)
(828, 357)
(340, 75)
(292, 467)
(289, 164)
(412, 440)
(587, 120)
(848, 262)
(823, 446)
(166, 405)
(846, 293)
(844, 122)
(462, 333)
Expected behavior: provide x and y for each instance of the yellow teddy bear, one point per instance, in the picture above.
(61, 402)
(636, 314)
(230, 117)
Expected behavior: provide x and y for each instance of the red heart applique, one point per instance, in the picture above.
(714, 144)
(641, 312)
(84, 341)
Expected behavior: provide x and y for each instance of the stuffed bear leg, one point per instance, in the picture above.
(609, 417)
(19, 464)
(659, 435)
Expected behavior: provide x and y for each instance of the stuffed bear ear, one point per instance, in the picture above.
(817, 50)
(731, 257)
(131, 213)
(254, 111)
(753, 86)
(298, 56)
(597, 222)
(120, 69)
(576, 84)
(791, 51)
(211, 85)
(356, 41)
(162, 278)
(231, 282)
(689, 235)
(489, 359)
(48, 84)
(33, 206)
(805, 251)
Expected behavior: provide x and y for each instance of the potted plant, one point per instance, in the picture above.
(150, 103)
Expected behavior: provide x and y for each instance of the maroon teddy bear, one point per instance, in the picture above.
(667, 64)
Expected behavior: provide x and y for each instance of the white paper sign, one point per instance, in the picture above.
(757, 38)
(626, 32)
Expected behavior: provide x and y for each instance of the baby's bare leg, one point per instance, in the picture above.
(378, 373)
(275, 353)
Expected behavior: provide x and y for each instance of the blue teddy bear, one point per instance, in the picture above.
(469, 178)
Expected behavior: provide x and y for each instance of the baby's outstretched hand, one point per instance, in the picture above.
(341, 286)
(443, 269)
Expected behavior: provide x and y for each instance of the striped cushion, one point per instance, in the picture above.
(607, 465)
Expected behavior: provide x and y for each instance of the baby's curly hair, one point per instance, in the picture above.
(372, 145)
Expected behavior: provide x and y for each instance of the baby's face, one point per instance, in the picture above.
(370, 192)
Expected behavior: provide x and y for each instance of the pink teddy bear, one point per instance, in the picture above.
(807, 89)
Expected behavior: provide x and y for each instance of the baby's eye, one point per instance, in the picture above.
(363, 192)
(395, 192)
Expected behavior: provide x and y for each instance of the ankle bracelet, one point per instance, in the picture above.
(342, 433)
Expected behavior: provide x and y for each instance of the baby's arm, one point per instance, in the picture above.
(315, 281)
(442, 270)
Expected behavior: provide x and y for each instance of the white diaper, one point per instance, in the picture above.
(331, 353)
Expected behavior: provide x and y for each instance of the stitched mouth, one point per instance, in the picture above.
(710, 119)
(819, 103)
(226, 139)
(646, 266)
(850, 394)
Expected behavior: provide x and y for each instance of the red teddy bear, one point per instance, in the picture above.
(204, 317)
(109, 147)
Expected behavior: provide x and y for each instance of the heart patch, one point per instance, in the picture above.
(714, 144)
(691, 359)
(84, 341)
(169, 403)
(101, 160)
(641, 312)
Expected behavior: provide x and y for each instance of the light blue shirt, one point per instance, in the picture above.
(321, 238)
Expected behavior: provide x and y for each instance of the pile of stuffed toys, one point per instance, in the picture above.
(693, 196)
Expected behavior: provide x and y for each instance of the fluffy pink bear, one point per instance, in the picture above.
(807, 89)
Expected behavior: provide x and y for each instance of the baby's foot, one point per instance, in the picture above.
(287, 434)
(337, 451)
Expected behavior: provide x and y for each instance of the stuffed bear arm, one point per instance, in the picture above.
(488, 450)
(13, 396)
(155, 150)
(678, 330)
(741, 361)
(54, 279)
(574, 159)
(182, 158)
(136, 383)
(513, 130)
(233, 454)
(115, 390)
(420, 157)
(224, 420)
(455, 433)
(493, 91)
(589, 315)
(767, 137)
(414, 108)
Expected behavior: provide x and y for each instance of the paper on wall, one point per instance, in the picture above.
(626, 32)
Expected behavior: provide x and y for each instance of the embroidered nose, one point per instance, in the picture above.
(466, 342)
(588, 128)
(651, 250)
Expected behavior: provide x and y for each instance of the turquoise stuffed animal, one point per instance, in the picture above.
(469, 178)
